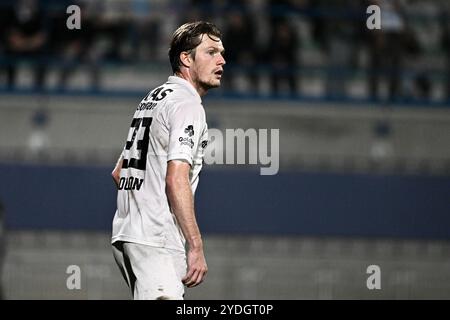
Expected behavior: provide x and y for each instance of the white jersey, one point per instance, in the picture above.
(168, 124)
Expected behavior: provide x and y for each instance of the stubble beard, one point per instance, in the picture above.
(206, 85)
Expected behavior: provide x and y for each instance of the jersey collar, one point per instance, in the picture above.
(186, 84)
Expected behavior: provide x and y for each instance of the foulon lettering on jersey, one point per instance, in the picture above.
(146, 106)
(130, 183)
(193, 310)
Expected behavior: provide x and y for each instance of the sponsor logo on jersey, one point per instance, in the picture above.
(189, 130)
(186, 141)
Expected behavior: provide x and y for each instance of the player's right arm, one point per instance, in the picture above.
(181, 200)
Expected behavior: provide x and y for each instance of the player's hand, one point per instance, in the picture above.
(197, 268)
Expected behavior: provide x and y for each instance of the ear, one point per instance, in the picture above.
(186, 59)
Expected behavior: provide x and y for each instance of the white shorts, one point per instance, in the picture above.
(151, 273)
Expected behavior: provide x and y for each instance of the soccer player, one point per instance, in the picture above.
(158, 172)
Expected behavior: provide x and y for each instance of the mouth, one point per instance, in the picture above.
(218, 73)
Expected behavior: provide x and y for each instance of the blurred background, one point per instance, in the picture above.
(364, 119)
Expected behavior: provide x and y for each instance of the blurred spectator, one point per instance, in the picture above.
(209, 10)
(318, 23)
(73, 47)
(445, 41)
(417, 83)
(279, 10)
(282, 57)
(241, 49)
(282, 52)
(341, 42)
(386, 49)
(193, 10)
(26, 39)
(422, 87)
(113, 25)
(145, 30)
(4, 23)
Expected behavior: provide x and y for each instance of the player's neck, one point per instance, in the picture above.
(186, 76)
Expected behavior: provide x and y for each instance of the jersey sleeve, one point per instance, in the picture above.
(186, 125)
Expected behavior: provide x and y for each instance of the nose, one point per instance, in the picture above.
(221, 60)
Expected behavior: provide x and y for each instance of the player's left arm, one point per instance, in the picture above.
(181, 201)
(116, 172)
